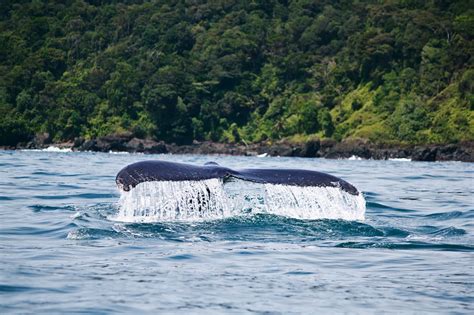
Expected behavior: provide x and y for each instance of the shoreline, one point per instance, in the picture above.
(330, 149)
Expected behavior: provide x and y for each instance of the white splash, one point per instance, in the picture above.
(56, 149)
(49, 149)
(174, 201)
(400, 159)
(212, 199)
(314, 202)
(118, 152)
(355, 158)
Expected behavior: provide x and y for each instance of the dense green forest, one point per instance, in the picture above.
(238, 70)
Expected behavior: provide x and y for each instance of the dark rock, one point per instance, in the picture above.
(88, 145)
(310, 148)
(280, 149)
(114, 142)
(39, 141)
(23, 145)
(42, 138)
(347, 149)
(425, 154)
(296, 151)
(327, 143)
(463, 151)
(146, 146)
(78, 142)
(315, 148)
(110, 144)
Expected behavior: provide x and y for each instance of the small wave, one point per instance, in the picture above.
(14, 288)
(57, 230)
(92, 234)
(400, 159)
(258, 227)
(383, 208)
(449, 232)
(119, 152)
(50, 149)
(46, 208)
(212, 199)
(408, 246)
(355, 158)
(445, 215)
(395, 232)
(56, 149)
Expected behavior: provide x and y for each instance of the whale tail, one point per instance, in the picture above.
(159, 190)
(148, 171)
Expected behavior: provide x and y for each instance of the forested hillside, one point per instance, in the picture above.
(238, 71)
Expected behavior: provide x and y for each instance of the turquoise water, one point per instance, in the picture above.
(61, 252)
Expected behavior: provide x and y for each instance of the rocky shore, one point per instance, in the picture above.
(315, 148)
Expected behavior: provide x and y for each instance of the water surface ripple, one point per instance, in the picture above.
(61, 253)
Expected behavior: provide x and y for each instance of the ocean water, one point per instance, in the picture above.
(67, 246)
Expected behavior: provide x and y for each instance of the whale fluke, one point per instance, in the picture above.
(156, 170)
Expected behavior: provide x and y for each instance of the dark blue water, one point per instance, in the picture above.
(60, 252)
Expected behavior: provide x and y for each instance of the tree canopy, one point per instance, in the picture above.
(238, 70)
